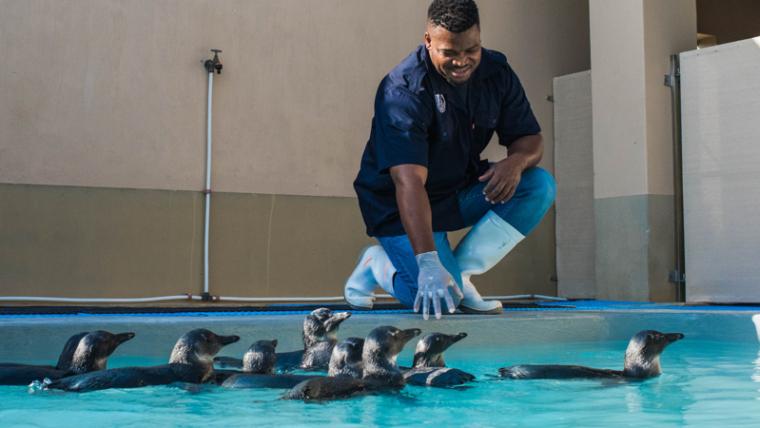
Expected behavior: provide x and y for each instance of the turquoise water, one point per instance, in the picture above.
(705, 384)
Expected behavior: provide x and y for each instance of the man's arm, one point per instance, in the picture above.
(504, 176)
(433, 281)
(414, 206)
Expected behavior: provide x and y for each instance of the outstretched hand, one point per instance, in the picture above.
(434, 283)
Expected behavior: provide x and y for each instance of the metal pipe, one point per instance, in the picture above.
(678, 275)
(207, 189)
(211, 66)
(97, 300)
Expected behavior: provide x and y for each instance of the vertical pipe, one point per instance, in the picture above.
(207, 189)
(673, 80)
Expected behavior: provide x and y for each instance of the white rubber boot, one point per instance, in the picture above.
(374, 268)
(484, 246)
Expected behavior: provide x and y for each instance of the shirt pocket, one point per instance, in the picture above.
(484, 125)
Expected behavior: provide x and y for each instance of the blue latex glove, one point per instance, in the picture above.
(433, 283)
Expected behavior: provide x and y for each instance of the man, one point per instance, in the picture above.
(421, 174)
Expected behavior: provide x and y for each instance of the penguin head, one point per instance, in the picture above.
(642, 357)
(321, 325)
(430, 349)
(67, 354)
(346, 358)
(94, 348)
(260, 357)
(199, 347)
(383, 344)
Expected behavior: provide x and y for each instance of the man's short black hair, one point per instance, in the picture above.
(454, 15)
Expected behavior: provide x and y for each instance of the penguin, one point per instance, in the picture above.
(346, 358)
(320, 331)
(380, 371)
(83, 353)
(429, 368)
(258, 370)
(642, 361)
(191, 361)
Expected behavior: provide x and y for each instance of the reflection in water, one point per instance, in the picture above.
(756, 373)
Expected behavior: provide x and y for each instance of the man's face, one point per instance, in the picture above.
(454, 55)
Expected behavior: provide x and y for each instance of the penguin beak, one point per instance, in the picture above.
(458, 337)
(226, 340)
(409, 333)
(673, 337)
(123, 337)
(336, 319)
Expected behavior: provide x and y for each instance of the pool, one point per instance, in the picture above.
(710, 378)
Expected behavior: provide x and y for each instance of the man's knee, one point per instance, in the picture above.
(542, 185)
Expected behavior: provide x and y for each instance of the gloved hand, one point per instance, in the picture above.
(433, 283)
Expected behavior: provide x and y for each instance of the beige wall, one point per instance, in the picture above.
(96, 242)
(669, 30)
(631, 44)
(102, 134)
(112, 94)
(618, 97)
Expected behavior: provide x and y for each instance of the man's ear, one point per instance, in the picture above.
(427, 40)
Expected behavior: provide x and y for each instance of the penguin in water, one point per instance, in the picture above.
(258, 370)
(380, 371)
(320, 334)
(83, 353)
(642, 361)
(191, 361)
(429, 368)
(346, 360)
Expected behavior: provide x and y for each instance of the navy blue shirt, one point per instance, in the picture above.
(421, 119)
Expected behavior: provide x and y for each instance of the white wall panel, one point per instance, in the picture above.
(574, 170)
(720, 89)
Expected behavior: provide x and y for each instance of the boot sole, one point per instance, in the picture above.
(471, 311)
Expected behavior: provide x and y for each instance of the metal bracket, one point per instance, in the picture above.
(671, 79)
(677, 277)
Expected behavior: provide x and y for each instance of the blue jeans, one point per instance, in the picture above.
(532, 199)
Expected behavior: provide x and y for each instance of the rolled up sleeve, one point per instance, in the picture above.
(402, 121)
(516, 118)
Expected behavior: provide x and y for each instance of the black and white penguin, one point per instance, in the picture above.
(429, 368)
(258, 370)
(642, 361)
(191, 361)
(83, 353)
(380, 371)
(346, 358)
(260, 357)
(320, 334)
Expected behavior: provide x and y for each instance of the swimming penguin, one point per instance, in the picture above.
(320, 334)
(258, 370)
(191, 361)
(83, 353)
(260, 357)
(642, 361)
(429, 368)
(380, 372)
(346, 358)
